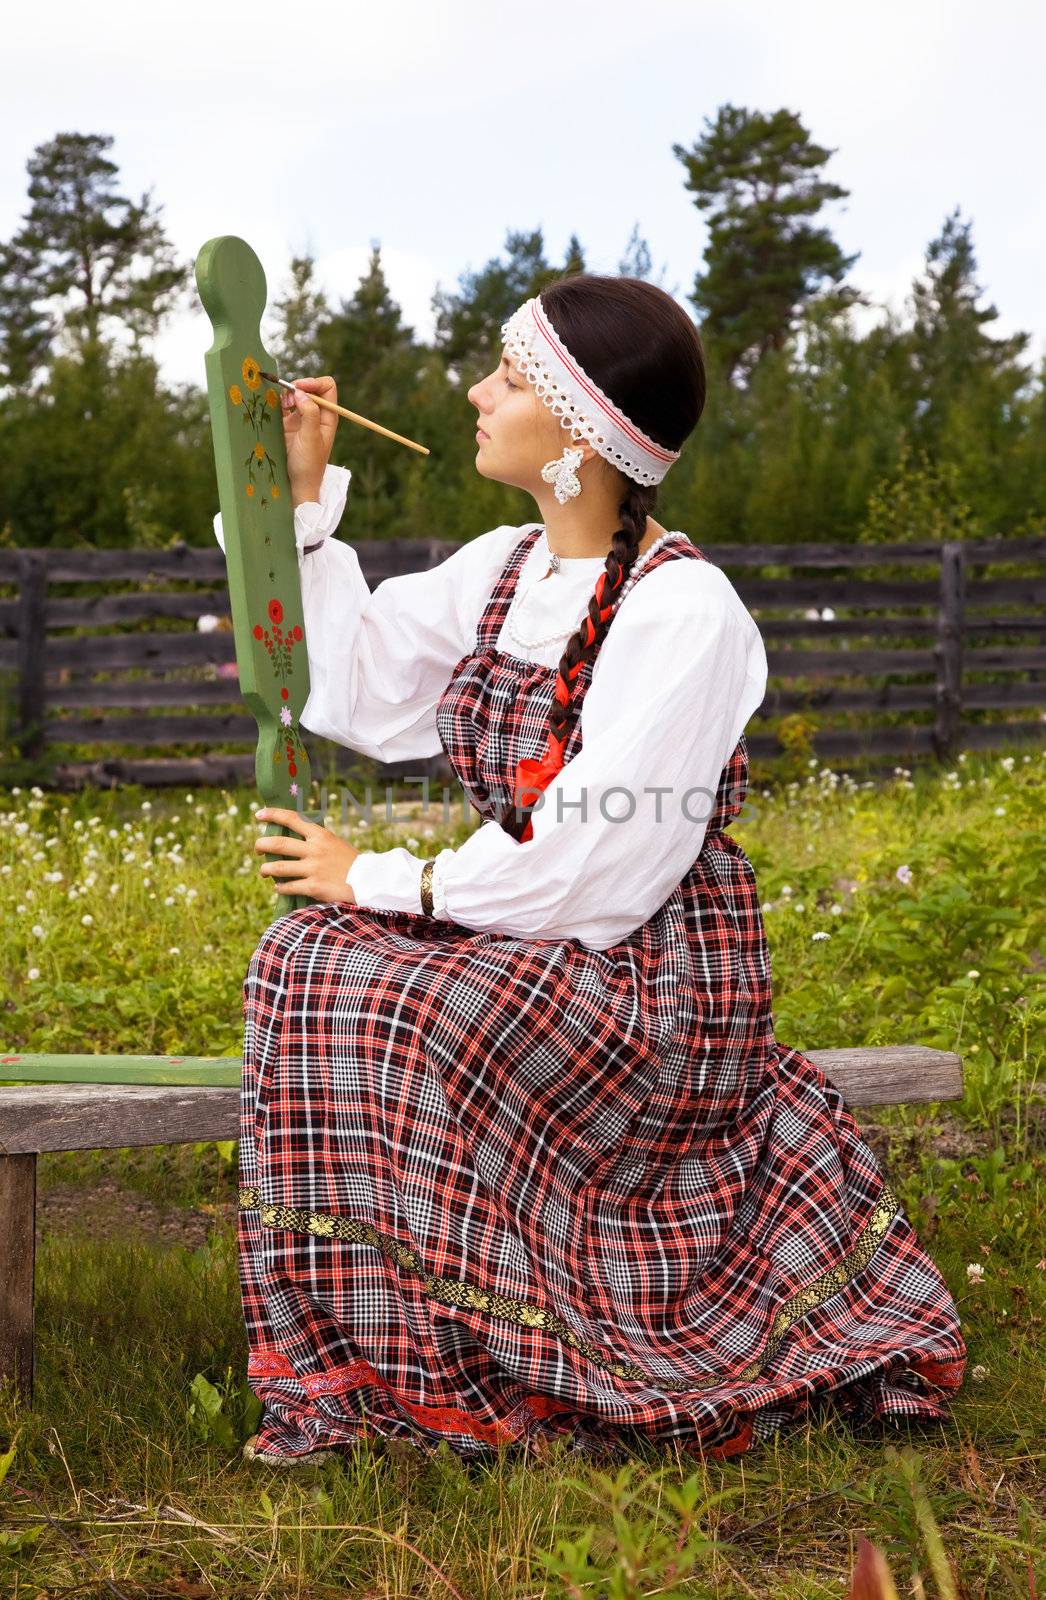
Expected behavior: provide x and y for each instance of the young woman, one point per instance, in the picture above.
(520, 1155)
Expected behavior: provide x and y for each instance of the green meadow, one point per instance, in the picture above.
(907, 908)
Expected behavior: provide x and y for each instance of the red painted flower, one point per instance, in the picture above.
(297, 632)
(258, 630)
(285, 694)
(292, 769)
(275, 611)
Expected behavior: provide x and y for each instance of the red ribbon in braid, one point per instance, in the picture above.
(533, 775)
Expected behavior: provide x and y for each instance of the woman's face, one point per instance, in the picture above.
(518, 433)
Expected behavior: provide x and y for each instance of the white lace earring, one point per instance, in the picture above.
(562, 474)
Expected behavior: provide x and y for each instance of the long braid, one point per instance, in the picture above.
(582, 646)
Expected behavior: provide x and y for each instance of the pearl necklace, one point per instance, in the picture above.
(565, 633)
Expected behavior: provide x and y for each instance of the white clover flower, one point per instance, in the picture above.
(980, 1372)
(16, 790)
(37, 792)
(7, 867)
(33, 974)
(207, 949)
(190, 894)
(174, 951)
(767, 905)
(975, 1272)
(21, 827)
(87, 919)
(835, 909)
(146, 805)
(1006, 763)
(73, 892)
(19, 909)
(169, 900)
(820, 935)
(114, 888)
(38, 930)
(973, 973)
(78, 822)
(798, 906)
(786, 888)
(1000, 811)
(188, 799)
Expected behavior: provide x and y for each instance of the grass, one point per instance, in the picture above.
(127, 1476)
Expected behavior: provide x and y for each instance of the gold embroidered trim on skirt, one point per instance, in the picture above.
(472, 1297)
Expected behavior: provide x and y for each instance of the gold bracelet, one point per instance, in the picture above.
(426, 886)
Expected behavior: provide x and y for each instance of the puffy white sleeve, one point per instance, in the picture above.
(380, 660)
(678, 676)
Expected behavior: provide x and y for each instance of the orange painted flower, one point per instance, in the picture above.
(251, 373)
(275, 491)
(236, 395)
(259, 451)
(272, 399)
(250, 490)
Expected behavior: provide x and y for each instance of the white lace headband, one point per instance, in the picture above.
(579, 402)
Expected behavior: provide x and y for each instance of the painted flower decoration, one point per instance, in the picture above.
(236, 394)
(251, 373)
(272, 399)
(275, 610)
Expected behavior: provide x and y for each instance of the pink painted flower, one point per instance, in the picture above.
(286, 716)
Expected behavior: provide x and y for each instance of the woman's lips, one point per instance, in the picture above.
(481, 435)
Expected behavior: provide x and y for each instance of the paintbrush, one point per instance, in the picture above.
(352, 416)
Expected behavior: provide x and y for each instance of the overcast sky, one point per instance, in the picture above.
(434, 128)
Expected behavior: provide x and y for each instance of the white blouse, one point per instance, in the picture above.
(674, 683)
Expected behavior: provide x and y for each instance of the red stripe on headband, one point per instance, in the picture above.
(580, 378)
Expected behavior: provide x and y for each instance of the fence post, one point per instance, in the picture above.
(32, 646)
(948, 650)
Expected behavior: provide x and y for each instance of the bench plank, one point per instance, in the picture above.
(89, 1116)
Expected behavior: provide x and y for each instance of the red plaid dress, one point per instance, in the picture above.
(494, 1188)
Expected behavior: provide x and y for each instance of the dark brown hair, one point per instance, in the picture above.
(643, 350)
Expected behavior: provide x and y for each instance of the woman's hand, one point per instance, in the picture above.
(308, 433)
(316, 864)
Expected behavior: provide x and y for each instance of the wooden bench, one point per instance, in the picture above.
(90, 1116)
(85, 1102)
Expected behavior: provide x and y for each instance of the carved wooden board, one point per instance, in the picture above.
(258, 522)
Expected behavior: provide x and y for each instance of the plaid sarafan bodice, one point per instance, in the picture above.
(495, 710)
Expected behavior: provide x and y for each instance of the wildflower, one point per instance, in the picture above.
(973, 973)
(836, 909)
(979, 1373)
(20, 909)
(38, 930)
(786, 888)
(904, 874)
(169, 900)
(174, 951)
(799, 906)
(975, 1272)
(87, 919)
(33, 974)
(147, 805)
(1006, 763)
(1000, 811)
(207, 623)
(767, 905)
(820, 935)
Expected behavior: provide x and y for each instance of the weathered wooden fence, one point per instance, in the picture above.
(103, 648)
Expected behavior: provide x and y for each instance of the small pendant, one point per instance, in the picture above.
(554, 560)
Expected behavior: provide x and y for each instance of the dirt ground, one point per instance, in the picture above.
(109, 1210)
